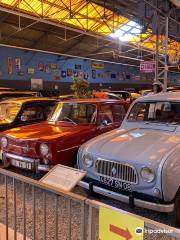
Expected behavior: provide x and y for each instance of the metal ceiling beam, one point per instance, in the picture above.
(89, 33)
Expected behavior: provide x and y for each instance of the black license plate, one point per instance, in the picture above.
(115, 183)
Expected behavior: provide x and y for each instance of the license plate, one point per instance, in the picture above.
(20, 164)
(115, 183)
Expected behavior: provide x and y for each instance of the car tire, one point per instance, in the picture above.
(177, 209)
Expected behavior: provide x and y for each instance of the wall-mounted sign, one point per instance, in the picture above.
(41, 66)
(78, 66)
(47, 68)
(93, 74)
(95, 65)
(30, 70)
(18, 64)
(10, 65)
(36, 84)
(147, 66)
(1, 70)
(69, 72)
(63, 74)
(86, 75)
(53, 65)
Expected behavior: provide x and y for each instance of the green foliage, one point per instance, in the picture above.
(81, 88)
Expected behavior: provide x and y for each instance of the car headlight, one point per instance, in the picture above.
(88, 160)
(44, 149)
(4, 142)
(147, 174)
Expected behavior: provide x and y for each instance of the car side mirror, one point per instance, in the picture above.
(104, 123)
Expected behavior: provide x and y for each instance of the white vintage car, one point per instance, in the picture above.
(139, 163)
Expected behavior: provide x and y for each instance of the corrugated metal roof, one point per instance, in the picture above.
(89, 17)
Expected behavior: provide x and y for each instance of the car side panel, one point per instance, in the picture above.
(171, 175)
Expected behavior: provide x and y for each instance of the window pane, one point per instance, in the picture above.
(165, 112)
(106, 114)
(32, 114)
(119, 113)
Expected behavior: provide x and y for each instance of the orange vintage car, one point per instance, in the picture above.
(40, 146)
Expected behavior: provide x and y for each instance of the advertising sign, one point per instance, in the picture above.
(95, 65)
(147, 66)
(10, 65)
(119, 226)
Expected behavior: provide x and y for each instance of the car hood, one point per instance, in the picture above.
(45, 131)
(136, 145)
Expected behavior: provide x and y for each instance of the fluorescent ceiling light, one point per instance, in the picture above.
(127, 31)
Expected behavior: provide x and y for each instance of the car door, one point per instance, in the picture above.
(105, 118)
(119, 113)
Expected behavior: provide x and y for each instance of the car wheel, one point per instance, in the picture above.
(177, 209)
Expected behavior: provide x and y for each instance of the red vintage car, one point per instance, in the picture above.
(40, 146)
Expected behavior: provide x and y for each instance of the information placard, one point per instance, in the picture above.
(63, 177)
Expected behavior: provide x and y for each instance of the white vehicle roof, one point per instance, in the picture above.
(169, 96)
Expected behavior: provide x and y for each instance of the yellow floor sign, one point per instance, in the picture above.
(114, 225)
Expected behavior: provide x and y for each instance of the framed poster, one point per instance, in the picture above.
(75, 73)
(69, 72)
(63, 74)
(78, 66)
(80, 75)
(86, 75)
(97, 65)
(93, 74)
(30, 70)
(10, 65)
(41, 66)
(36, 84)
(53, 66)
(1, 70)
(47, 68)
(18, 64)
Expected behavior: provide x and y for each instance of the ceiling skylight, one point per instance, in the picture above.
(127, 31)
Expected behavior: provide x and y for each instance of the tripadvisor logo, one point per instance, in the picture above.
(139, 231)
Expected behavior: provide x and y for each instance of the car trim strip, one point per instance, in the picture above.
(125, 199)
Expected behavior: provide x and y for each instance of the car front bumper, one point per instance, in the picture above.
(7, 159)
(159, 207)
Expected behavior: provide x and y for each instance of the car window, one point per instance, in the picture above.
(111, 96)
(164, 112)
(77, 113)
(9, 111)
(119, 112)
(49, 109)
(106, 114)
(32, 114)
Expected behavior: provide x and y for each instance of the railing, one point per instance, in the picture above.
(31, 210)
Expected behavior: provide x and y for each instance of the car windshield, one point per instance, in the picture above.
(76, 113)
(8, 112)
(162, 112)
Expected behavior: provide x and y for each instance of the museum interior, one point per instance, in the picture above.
(89, 120)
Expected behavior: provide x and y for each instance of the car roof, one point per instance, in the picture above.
(28, 99)
(15, 92)
(94, 100)
(168, 96)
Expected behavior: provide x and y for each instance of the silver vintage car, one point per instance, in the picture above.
(139, 163)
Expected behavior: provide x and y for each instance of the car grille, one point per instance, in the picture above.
(120, 171)
(21, 147)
